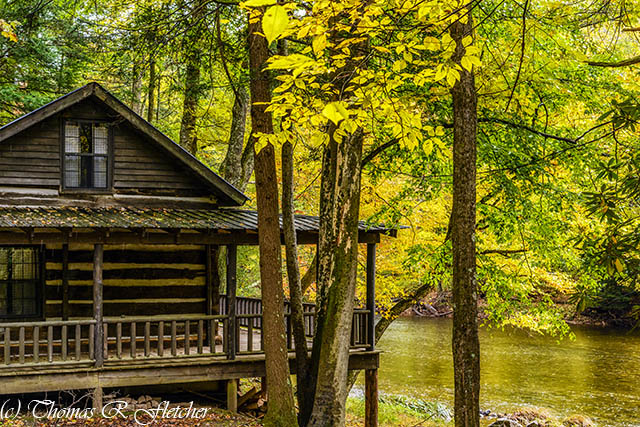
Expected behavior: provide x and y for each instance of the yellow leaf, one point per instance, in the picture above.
(399, 65)
(431, 43)
(466, 63)
(441, 73)
(619, 265)
(335, 112)
(259, 3)
(452, 77)
(274, 22)
(319, 44)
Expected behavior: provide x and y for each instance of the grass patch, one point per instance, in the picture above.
(396, 410)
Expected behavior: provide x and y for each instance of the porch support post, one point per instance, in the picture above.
(371, 398)
(97, 305)
(65, 281)
(232, 395)
(232, 251)
(371, 294)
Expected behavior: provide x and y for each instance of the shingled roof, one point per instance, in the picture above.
(152, 218)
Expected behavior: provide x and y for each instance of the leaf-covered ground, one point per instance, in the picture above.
(215, 417)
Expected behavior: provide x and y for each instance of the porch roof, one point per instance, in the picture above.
(153, 218)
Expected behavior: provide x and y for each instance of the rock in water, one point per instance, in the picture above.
(505, 422)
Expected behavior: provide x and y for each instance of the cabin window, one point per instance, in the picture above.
(86, 155)
(19, 282)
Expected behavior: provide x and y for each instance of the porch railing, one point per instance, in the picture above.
(154, 337)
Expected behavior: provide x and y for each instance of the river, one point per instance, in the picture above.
(597, 374)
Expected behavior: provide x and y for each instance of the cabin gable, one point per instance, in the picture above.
(94, 150)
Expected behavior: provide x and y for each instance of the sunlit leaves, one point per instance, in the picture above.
(274, 22)
(336, 112)
(8, 30)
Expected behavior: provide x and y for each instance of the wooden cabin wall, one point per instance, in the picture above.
(32, 158)
(138, 280)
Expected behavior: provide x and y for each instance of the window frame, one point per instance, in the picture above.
(39, 288)
(110, 158)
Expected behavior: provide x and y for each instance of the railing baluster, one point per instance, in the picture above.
(21, 344)
(78, 341)
(147, 341)
(174, 343)
(118, 340)
(132, 346)
(250, 335)
(7, 346)
(36, 344)
(63, 339)
(200, 336)
(187, 337)
(213, 327)
(92, 332)
(50, 344)
(160, 338)
(105, 341)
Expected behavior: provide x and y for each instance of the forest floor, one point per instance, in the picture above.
(391, 414)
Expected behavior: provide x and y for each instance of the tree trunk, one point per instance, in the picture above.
(232, 165)
(280, 410)
(465, 345)
(151, 91)
(337, 265)
(136, 89)
(188, 134)
(303, 380)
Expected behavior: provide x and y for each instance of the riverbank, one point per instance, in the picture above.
(438, 305)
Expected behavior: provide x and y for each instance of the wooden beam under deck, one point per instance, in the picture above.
(124, 373)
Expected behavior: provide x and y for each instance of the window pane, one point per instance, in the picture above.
(29, 307)
(3, 298)
(71, 171)
(71, 138)
(100, 139)
(85, 138)
(100, 172)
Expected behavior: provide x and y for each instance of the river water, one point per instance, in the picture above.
(597, 374)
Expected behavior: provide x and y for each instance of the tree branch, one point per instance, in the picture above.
(623, 63)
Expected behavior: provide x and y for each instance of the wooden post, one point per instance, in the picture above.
(97, 305)
(371, 295)
(232, 252)
(97, 399)
(232, 394)
(65, 281)
(371, 398)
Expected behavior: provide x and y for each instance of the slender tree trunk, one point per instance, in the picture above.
(232, 165)
(151, 92)
(280, 410)
(304, 391)
(465, 345)
(188, 134)
(136, 89)
(337, 266)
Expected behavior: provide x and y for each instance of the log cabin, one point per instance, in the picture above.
(108, 235)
